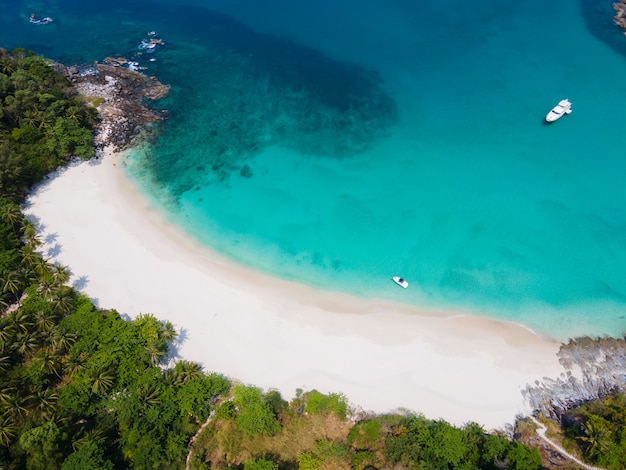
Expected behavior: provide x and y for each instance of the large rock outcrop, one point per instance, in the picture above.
(593, 368)
(122, 98)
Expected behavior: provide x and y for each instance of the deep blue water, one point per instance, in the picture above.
(341, 145)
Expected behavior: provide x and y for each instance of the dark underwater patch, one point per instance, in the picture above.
(249, 90)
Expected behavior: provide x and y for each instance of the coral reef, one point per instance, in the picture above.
(241, 104)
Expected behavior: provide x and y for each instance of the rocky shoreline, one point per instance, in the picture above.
(594, 368)
(122, 98)
(620, 15)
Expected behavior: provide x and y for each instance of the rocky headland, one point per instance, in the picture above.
(122, 97)
(620, 14)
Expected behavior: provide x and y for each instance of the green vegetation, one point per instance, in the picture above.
(80, 386)
(253, 415)
(316, 402)
(324, 438)
(42, 122)
(598, 431)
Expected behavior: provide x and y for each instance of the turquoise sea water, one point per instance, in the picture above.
(341, 145)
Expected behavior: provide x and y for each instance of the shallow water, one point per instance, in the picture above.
(339, 146)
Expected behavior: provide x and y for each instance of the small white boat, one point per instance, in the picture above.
(564, 107)
(35, 20)
(401, 282)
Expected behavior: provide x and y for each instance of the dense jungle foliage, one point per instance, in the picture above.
(83, 388)
(598, 430)
(42, 122)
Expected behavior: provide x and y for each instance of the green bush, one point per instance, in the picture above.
(326, 449)
(42, 122)
(254, 415)
(317, 402)
(364, 434)
(363, 459)
(308, 461)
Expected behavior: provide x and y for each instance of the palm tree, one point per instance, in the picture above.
(62, 340)
(93, 435)
(10, 213)
(155, 352)
(102, 381)
(31, 234)
(41, 266)
(149, 395)
(60, 274)
(53, 284)
(46, 120)
(30, 119)
(21, 322)
(184, 371)
(6, 394)
(11, 283)
(47, 287)
(29, 255)
(44, 402)
(28, 275)
(7, 333)
(25, 344)
(74, 113)
(7, 65)
(75, 364)
(15, 407)
(49, 363)
(8, 431)
(44, 337)
(64, 300)
(168, 332)
(597, 434)
(44, 320)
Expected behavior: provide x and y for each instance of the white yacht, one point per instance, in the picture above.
(564, 107)
(401, 282)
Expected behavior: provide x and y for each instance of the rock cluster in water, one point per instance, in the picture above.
(123, 110)
(594, 368)
(620, 15)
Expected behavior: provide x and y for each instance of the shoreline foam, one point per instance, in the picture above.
(278, 334)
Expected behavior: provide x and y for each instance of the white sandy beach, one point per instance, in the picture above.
(277, 334)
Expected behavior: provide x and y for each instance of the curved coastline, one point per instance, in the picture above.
(279, 334)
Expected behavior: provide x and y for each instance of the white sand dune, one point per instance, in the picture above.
(277, 334)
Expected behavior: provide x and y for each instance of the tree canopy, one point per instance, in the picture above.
(598, 430)
(43, 122)
(86, 384)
